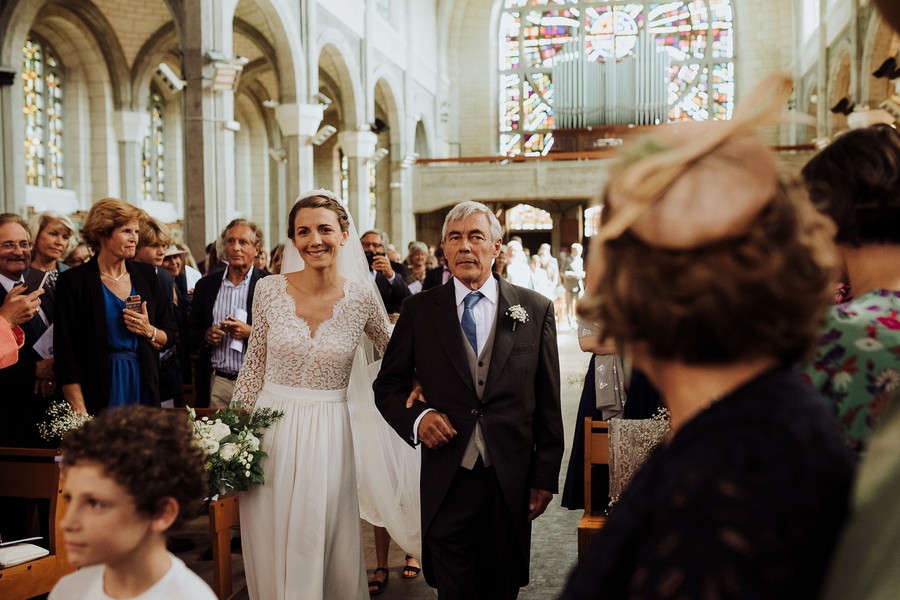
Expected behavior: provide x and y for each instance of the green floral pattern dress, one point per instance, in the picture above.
(856, 365)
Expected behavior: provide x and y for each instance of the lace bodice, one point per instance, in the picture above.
(282, 350)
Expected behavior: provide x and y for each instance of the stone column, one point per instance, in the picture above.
(206, 45)
(403, 219)
(131, 128)
(358, 147)
(298, 123)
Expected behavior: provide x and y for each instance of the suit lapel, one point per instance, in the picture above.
(504, 336)
(446, 322)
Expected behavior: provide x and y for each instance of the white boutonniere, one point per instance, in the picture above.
(517, 314)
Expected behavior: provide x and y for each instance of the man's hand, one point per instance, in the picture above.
(435, 430)
(214, 336)
(238, 330)
(538, 503)
(382, 264)
(19, 307)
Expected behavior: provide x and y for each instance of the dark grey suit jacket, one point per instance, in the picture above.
(519, 412)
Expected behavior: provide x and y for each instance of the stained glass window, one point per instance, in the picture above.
(524, 217)
(697, 37)
(42, 108)
(153, 161)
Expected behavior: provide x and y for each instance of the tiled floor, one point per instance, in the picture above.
(553, 548)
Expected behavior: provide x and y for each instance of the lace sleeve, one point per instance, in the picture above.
(378, 328)
(250, 378)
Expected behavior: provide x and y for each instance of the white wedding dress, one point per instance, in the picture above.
(300, 531)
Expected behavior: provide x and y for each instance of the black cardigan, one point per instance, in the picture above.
(81, 352)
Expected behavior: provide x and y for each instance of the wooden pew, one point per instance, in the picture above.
(224, 514)
(34, 473)
(596, 452)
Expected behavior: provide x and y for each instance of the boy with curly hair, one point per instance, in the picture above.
(131, 475)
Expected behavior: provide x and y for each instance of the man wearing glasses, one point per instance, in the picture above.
(389, 275)
(28, 384)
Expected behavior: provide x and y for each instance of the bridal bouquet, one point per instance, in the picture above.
(231, 441)
(62, 419)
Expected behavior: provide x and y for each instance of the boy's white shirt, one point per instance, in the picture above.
(179, 583)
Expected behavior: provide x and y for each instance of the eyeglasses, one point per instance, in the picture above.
(10, 246)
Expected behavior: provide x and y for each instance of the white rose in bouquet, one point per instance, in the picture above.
(251, 442)
(228, 451)
(219, 430)
(210, 446)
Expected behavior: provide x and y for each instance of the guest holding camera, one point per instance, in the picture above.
(389, 276)
(112, 317)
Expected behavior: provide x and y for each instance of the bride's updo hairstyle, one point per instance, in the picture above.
(319, 199)
(706, 255)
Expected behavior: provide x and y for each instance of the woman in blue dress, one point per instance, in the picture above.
(112, 318)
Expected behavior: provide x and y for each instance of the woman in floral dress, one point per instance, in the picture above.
(856, 367)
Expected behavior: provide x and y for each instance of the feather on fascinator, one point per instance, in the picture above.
(696, 183)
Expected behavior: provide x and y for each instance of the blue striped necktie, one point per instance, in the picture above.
(468, 319)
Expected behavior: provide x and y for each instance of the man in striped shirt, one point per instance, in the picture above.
(222, 314)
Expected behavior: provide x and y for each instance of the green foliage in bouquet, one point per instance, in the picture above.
(62, 419)
(232, 444)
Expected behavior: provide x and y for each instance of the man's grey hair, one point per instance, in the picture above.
(464, 210)
(384, 236)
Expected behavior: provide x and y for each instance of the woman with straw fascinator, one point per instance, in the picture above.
(712, 273)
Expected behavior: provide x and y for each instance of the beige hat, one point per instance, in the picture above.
(693, 184)
(174, 250)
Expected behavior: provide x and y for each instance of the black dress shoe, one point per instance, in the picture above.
(888, 69)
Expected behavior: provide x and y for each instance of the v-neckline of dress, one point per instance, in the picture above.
(314, 335)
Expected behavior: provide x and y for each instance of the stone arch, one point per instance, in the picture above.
(285, 50)
(24, 14)
(384, 89)
(881, 42)
(97, 85)
(336, 59)
(160, 46)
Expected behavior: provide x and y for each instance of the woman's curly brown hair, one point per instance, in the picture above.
(150, 452)
(761, 294)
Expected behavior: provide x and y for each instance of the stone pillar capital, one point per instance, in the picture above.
(131, 125)
(357, 144)
(299, 119)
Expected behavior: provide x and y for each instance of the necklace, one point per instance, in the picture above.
(115, 279)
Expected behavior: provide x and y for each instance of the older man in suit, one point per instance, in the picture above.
(486, 356)
(222, 314)
(27, 384)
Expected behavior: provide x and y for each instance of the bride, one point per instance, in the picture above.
(312, 327)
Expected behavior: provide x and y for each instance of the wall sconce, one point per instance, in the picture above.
(324, 132)
(322, 99)
(226, 71)
(380, 153)
(271, 103)
(168, 76)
